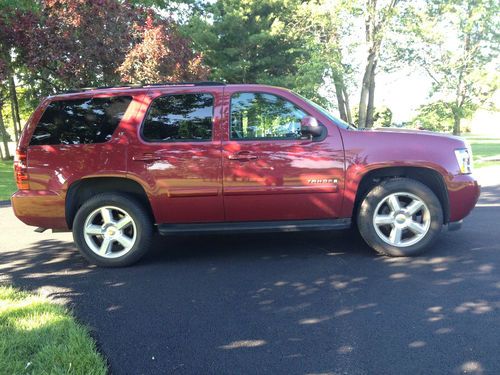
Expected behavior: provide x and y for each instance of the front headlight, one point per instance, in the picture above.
(464, 159)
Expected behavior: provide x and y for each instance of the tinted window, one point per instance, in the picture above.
(80, 121)
(258, 115)
(179, 117)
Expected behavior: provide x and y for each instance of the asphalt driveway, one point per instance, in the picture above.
(310, 303)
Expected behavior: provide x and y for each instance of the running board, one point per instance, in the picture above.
(255, 226)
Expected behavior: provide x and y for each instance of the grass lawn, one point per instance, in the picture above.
(7, 183)
(38, 336)
(482, 147)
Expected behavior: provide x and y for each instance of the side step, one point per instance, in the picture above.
(255, 226)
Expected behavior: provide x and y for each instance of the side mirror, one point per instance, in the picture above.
(309, 127)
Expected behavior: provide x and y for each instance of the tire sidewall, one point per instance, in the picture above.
(377, 194)
(143, 226)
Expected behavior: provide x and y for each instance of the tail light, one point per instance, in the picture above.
(21, 169)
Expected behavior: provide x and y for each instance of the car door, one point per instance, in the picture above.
(270, 172)
(176, 154)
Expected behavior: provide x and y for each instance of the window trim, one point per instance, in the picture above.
(318, 139)
(56, 100)
(141, 129)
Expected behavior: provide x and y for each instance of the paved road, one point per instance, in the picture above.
(313, 303)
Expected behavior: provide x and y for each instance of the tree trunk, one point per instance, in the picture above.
(15, 107)
(340, 98)
(371, 98)
(347, 105)
(456, 124)
(365, 89)
(4, 135)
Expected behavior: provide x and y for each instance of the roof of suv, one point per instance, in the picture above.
(129, 89)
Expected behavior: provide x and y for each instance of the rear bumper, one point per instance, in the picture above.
(40, 208)
(463, 193)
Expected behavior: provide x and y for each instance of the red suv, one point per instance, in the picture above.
(114, 165)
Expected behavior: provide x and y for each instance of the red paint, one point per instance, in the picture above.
(232, 180)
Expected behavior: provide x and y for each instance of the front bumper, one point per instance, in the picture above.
(463, 194)
(455, 225)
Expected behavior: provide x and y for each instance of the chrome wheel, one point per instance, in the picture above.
(110, 232)
(401, 219)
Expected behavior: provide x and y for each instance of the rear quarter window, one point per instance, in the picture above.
(80, 121)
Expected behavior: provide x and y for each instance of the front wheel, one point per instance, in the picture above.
(400, 217)
(112, 230)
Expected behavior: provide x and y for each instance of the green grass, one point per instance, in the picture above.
(7, 183)
(482, 147)
(38, 336)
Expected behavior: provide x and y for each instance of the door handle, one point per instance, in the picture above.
(242, 157)
(146, 157)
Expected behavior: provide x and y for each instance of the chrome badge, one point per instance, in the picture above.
(323, 181)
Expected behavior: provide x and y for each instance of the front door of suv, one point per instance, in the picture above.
(270, 172)
(176, 153)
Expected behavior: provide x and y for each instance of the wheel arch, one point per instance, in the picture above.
(428, 176)
(81, 190)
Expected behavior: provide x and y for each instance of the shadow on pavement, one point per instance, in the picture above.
(285, 303)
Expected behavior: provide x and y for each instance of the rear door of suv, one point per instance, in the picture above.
(270, 172)
(176, 153)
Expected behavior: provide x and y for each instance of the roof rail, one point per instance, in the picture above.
(199, 83)
(132, 86)
(81, 89)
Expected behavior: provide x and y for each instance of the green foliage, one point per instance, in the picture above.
(439, 116)
(456, 43)
(435, 117)
(11, 6)
(280, 42)
(307, 46)
(38, 336)
(382, 117)
(27, 105)
(245, 42)
(324, 29)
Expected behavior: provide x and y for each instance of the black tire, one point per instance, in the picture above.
(143, 228)
(365, 218)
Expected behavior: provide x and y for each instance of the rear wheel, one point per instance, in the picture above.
(112, 230)
(400, 217)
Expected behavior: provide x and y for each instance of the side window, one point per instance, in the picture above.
(179, 118)
(261, 116)
(81, 121)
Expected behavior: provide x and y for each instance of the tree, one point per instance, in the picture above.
(456, 43)
(382, 117)
(377, 20)
(8, 40)
(434, 116)
(162, 55)
(4, 135)
(77, 43)
(48, 46)
(323, 27)
(247, 42)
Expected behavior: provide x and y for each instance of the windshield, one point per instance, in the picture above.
(336, 120)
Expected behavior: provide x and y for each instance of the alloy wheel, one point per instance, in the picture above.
(110, 232)
(401, 219)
